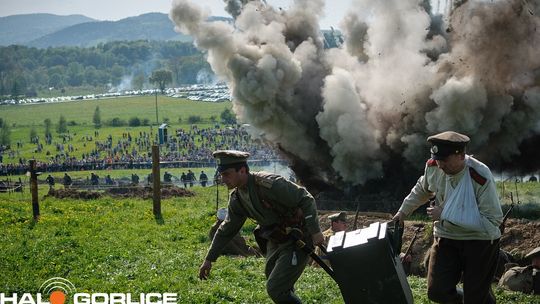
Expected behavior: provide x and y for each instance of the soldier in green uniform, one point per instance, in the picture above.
(524, 279)
(277, 205)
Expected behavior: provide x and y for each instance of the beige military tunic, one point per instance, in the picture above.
(433, 182)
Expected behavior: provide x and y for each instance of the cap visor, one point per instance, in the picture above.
(438, 157)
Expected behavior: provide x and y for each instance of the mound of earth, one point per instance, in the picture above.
(119, 192)
(74, 194)
(520, 236)
(146, 192)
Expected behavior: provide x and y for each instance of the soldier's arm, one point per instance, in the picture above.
(420, 193)
(227, 230)
(291, 195)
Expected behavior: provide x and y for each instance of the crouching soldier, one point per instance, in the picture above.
(524, 279)
(238, 245)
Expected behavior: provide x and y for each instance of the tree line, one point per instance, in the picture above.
(24, 71)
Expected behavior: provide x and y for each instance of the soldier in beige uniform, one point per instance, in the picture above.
(459, 250)
(277, 205)
(338, 222)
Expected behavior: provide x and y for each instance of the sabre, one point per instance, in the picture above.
(297, 234)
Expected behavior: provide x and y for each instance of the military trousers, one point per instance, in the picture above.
(474, 261)
(284, 265)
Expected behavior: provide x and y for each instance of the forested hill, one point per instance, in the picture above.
(21, 29)
(151, 26)
(25, 71)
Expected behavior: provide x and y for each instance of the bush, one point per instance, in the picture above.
(116, 122)
(228, 117)
(134, 122)
(72, 123)
(193, 119)
(146, 122)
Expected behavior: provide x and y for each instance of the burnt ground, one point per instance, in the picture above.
(119, 192)
(520, 236)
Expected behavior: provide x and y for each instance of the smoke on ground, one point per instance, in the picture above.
(347, 114)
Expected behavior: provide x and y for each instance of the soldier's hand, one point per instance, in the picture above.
(204, 270)
(434, 212)
(399, 217)
(317, 238)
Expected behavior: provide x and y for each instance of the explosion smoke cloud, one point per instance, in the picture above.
(401, 75)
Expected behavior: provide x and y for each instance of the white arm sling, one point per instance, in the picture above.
(461, 207)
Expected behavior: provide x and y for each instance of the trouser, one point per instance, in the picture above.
(284, 265)
(450, 260)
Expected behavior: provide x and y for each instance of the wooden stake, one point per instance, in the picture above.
(157, 182)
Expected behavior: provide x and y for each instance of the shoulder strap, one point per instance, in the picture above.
(477, 177)
(431, 162)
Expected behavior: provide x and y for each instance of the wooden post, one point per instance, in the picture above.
(157, 182)
(34, 190)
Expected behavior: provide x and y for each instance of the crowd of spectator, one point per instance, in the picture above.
(184, 149)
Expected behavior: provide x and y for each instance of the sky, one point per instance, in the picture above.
(119, 9)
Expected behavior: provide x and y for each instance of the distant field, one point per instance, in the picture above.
(21, 118)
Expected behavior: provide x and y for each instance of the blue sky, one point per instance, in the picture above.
(118, 9)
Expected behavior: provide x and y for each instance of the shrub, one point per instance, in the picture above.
(134, 122)
(116, 122)
(193, 119)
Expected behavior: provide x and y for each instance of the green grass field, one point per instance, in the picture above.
(116, 245)
(22, 118)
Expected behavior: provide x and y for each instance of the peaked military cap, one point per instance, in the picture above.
(226, 159)
(534, 253)
(341, 216)
(447, 143)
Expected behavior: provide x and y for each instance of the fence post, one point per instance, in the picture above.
(34, 190)
(157, 181)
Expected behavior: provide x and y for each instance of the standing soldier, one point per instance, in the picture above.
(134, 179)
(67, 181)
(275, 204)
(167, 177)
(183, 179)
(203, 178)
(191, 178)
(50, 181)
(94, 179)
(467, 249)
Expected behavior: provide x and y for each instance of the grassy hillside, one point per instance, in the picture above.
(112, 245)
(122, 107)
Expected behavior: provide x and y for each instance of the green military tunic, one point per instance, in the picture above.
(267, 199)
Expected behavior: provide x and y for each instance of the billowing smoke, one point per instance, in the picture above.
(360, 112)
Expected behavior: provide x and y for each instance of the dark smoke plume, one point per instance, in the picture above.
(362, 112)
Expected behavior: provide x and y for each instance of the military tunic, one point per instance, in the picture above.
(267, 198)
(434, 182)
